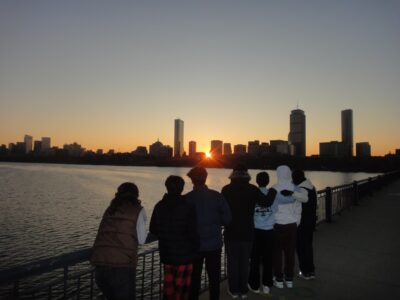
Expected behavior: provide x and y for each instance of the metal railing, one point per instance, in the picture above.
(70, 276)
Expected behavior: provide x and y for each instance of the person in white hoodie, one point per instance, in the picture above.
(307, 217)
(286, 221)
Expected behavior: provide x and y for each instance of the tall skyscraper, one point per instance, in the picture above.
(178, 138)
(227, 149)
(347, 131)
(28, 140)
(216, 148)
(46, 143)
(192, 148)
(297, 134)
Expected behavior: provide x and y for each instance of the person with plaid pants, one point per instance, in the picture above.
(174, 224)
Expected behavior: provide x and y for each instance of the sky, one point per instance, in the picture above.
(115, 74)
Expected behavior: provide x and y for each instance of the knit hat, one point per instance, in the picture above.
(240, 171)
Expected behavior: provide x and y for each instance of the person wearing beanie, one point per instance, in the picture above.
(212, 212)
(242, 198)
(307, 217)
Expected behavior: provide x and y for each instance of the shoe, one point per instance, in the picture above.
(307, 276)
(289, 284)
(253, 290)
(234, 296)
(265, 289)
(278, 284)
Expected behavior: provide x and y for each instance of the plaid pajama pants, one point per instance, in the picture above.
(177, 280)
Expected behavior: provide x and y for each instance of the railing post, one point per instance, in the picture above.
(355, 193)
(328, 205)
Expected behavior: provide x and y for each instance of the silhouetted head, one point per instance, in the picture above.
(174, 185)
(198, 175)
(262, 179)
(240, 173)
(298, 176)
(127, 189)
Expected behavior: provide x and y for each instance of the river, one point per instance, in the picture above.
(52, 209)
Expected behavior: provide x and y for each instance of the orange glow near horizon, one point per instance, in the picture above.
(208, 155)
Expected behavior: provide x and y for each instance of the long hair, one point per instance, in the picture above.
(128, 191)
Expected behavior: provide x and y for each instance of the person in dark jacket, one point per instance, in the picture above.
(305, 230)
(242, 198)
(212, 213)
(174, 224)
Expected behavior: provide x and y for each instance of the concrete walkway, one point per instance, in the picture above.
(356, 257)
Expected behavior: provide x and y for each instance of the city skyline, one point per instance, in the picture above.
(296, 139)
(111, 75)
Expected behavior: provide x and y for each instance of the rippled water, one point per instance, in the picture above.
(48, 210)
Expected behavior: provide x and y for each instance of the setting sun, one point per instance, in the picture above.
(208, 155)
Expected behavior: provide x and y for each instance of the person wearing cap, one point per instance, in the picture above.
(212, 212)
(242, 198)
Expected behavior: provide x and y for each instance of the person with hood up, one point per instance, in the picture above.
(307, 217)
(173, 222)
(286, 218)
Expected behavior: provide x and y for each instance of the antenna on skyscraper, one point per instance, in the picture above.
(297, 104)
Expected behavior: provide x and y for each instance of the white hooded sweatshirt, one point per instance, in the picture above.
(288, 213)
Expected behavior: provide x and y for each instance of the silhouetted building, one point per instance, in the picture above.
(3, 149)
(99, 151)
(227, 149)
(216, 148)
(297, 133)
(178, 138)
(28, 140)
(279, 146)
(159, 150)
(74, 149)
(253, 148)
(192, 148)
(239, 149)
(397, 152)
(264, 149)
(347, 131)
(46, 144)
(332, 149)
(37, 146)
(111, 152)
(140, 151)
(363, 149)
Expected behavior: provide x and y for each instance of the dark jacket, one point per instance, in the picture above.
(242, 198)
(309, 208)
(174, 223)
(116, 243)
(212, 213)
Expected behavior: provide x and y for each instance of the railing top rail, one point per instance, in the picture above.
(50, 264)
